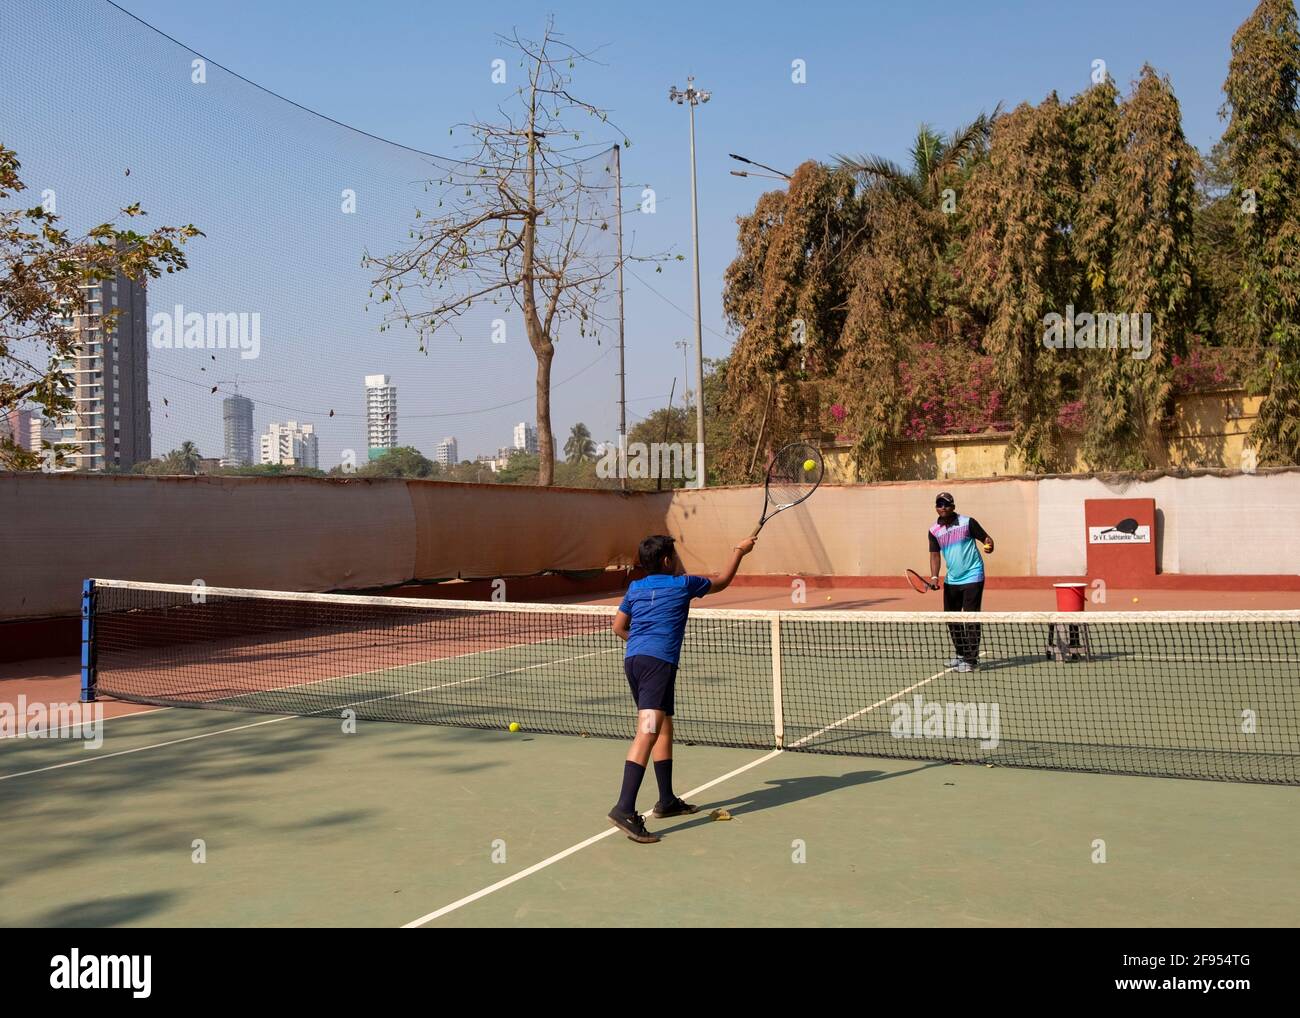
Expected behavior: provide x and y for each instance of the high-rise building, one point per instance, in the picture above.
(290, 445)
(237, 416)
(381, 415)
(23, 428)
(109, 424)
(526, 437)
(447, 454)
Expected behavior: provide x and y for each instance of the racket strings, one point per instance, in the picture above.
(790, 479)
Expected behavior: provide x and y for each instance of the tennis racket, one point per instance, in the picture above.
(919, 583)
(792, 476)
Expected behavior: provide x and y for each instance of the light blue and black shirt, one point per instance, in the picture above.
(961, 555)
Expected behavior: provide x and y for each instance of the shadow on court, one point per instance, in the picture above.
(785, 791)
(95, 913)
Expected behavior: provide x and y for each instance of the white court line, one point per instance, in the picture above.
(572, 849)
(79, 724)
(567, 852)
(141, 749)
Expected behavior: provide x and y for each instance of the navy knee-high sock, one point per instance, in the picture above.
(632, 775)
(664, 774)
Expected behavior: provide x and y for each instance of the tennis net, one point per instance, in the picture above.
(1181, 694)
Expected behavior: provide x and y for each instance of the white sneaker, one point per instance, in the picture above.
(954, 663)
(966, 666)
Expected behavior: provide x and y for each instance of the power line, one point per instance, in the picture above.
(316, 113)
(404, 415)
(715, 332)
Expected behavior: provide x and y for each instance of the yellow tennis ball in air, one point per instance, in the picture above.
(810, 465)
(514, 726)
(1135, 600)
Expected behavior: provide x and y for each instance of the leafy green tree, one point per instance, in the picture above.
(186, 458)
(1093, 122)
(1221, 318)
(889, 318)
(403, 461)
(786, 293)
(276, 470)
(521, 468)
(1019, 269)
(579, 445)
(1261, 151)
(1153, 252)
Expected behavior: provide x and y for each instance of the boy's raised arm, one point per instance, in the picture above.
(724, 581)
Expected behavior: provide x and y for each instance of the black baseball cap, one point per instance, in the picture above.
(945, 498)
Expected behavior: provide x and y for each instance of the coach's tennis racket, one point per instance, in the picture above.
(792, 476)
(919, 583)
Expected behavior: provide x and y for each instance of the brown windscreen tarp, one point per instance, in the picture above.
(290, 533)
(488, 530)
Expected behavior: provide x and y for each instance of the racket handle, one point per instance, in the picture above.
(754, 533)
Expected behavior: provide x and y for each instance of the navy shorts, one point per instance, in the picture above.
(653, 682)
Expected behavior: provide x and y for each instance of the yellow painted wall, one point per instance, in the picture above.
(1208, 431)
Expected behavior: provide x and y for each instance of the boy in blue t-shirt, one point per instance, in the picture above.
(652, 619)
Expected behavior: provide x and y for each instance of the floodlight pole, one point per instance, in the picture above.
(622, 369)
(693, 97)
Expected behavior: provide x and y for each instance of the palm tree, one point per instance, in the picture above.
(579, 446)
(186, 458)
(934, 159)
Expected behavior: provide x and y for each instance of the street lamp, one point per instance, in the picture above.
(742, 173)
(693, 97)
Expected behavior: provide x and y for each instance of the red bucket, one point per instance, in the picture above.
(1070, 596)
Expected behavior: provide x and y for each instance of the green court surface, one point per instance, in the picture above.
(303, 824)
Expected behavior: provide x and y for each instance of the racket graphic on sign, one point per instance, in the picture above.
(1125, 526)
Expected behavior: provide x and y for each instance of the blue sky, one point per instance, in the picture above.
(406, 71)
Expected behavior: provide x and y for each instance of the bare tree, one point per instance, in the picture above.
(519, 223)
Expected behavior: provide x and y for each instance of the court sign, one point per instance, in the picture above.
(1113, 535)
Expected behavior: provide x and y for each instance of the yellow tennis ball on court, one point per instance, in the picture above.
(810, 465)
(514, 726)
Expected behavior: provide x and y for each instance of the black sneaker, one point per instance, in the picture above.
(633, 826)
(676, 808)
